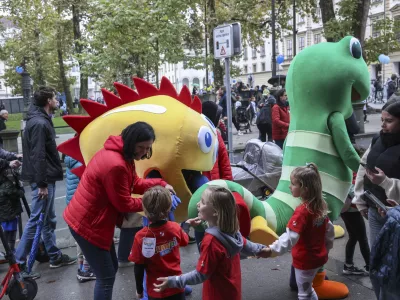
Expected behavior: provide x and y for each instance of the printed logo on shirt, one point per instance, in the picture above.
(294, 223)
(166, 248)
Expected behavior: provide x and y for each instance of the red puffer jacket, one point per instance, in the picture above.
(104, 193)
(222, 167)
(280, 122)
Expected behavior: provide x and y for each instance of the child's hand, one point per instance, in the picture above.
(162, 286)
(194, 222)
(139, 296)
(265, 252)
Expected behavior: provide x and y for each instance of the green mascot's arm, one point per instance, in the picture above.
(342, 141)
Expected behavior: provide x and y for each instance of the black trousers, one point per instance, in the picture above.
(265, 129)
(355, 226)
(180, 296)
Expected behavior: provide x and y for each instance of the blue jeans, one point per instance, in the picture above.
(49, 225)
(104, 265)
(126, 238)
(376, 223)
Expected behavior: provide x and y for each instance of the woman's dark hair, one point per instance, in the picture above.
(136, 133)
(393, 108)
(279, 94)
(43, 94)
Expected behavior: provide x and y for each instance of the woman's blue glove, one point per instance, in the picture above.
(175, 202)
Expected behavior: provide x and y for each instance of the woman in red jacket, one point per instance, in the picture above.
(280, 118)
(222, 167)
(104, 195)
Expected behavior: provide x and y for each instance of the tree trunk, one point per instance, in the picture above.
(40, 81)
(217, 68)
(327, 13)
(63, 76)
(83, 91)
(156, 66)
(360, 18)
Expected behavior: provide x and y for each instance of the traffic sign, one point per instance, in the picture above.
(223, 41)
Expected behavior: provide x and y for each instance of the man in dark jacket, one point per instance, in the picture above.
(41, 168)
(392, 86)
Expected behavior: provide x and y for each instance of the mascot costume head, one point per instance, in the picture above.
(322, 83)
(185, 139)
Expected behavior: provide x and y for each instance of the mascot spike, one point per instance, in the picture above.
(166, 88)
(144, 88)
(78, 123)
(125, 93)
(93, 108)
(71, 148)
(79, 171)
(185, 96)
(196, 104)
(111, 100)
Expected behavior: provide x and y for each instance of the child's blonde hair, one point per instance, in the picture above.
(157, 203)
(310, 181)
(224, 204)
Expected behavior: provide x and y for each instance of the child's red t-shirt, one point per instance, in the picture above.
(310, 251)
(166, 260)
(225, 278)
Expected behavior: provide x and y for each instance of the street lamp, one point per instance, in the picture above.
(25, 85)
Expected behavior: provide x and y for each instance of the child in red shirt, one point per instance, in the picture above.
(309, 232)
(219, 263)
(156, 248)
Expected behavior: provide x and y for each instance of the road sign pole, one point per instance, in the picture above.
(229, 106)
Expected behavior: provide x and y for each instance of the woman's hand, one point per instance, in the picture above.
(391, 202)
(376, 178)
(364, 213)
(14, 164)
(162, 286)
(170, 188)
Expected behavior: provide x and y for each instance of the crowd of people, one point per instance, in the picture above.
(101, 201)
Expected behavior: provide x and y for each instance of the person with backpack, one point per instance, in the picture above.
(264, 119)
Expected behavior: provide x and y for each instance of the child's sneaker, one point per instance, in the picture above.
(85, 276)
(352, 270)
(366, 270)
(64, 260)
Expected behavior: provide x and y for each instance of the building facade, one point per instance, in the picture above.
(256, 63)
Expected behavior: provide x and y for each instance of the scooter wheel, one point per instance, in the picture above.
(15, 292)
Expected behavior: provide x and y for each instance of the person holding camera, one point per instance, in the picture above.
(379, 169)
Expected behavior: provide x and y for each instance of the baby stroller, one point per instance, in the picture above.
(260, 169)
(242, 119)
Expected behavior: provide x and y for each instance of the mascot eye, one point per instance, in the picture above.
(355, 48)
(216, 145)
(210, 123)
(205, 139)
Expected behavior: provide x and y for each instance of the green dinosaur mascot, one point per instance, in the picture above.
(322, 82)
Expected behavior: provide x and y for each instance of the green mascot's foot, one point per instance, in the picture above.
(339, 231)
(327, 289)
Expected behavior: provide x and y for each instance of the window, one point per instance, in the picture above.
(397, 28)
(300, 20)
(262, 51)
(185, 64)
(254, 68)
(262, 67)
(318, 13)
(317, 38)
(301, 43)
(1, 85)
(277, 47)
(245, 57)
(254, 53)
(289, 49)
(245, 71)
